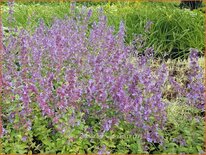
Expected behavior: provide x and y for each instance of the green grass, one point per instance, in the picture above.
(27, 16)
(174, 31)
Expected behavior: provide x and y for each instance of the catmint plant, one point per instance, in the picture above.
(78, 80)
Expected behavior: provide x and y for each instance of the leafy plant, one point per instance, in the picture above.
(70, 87)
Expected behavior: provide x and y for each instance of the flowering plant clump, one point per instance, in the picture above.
(76, 82)
(193, 89)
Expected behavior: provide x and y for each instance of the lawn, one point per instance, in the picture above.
(106, 78)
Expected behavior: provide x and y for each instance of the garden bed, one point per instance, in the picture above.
(83, 84)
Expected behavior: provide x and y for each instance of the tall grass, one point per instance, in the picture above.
(173, 32)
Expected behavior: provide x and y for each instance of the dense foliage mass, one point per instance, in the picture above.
(71, 88)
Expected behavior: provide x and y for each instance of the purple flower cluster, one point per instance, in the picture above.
(72, 65)
(193, 91)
